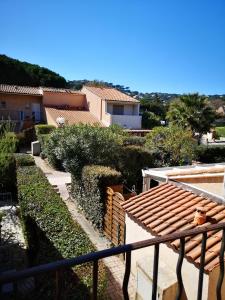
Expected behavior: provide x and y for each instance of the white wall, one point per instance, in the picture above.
(190, 273)
(126, 121)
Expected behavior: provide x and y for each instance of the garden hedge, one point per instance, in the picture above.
(8, 181)
(44, 129)
(89, 191)
(23, 159)
(50, 232)
(210, 154)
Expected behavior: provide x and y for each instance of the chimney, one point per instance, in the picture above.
(200, 216)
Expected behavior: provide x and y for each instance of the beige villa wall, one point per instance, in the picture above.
(190, 273)
(18, 103)
(48, 118)
(58, 99)
(94, 103)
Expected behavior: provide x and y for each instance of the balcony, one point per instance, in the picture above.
(56, 268)
(126, 121)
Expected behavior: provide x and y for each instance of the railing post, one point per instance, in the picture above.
(221, 275)
(155, 272)
(95, 280)
(126, 275)
(179, 267)
(202, 265)
(58, 285)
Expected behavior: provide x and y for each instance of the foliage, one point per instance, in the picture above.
(192, 112)
(210, 154)
(8, 174)
(51, 232)
(150, 120)
(9, 143)
(130, 163)
(220, 131)
(89, 191)
(23, 159)
(134, 140)
(80, 145)
(154, 105)
(6, 126)
(17, 72)
(171, 145)
(43, 129)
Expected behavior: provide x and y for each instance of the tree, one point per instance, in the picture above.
(171, 145)
(192, 112)
(150, 120)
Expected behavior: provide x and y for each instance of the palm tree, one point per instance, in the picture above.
(192, 111)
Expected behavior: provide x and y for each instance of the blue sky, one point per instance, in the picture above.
(148, 45)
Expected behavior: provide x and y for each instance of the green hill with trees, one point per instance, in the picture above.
(13, 71)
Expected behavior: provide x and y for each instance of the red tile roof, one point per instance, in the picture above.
(167, 209)
(57, 90)
(110, 94)
(16, 89)
(72, 116)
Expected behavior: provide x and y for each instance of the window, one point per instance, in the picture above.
(3, 104)
(118, 109)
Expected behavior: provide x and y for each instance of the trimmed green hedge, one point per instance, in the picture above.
(220, 131)
(89, 191)
(50, 231)
(210, 154)
(44, 129)
(8, 180)
(23, 160)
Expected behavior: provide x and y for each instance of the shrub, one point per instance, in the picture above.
(9, 143)
(171, 145)
(220, 131)
(89, 191)
(24, 160)
(44, 129)
(150, 120)
(131, 161)
(8, 174)
(210, 154)
(80, 145)
(50, 231)
(134, 140)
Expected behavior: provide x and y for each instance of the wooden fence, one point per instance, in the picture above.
(114, 219)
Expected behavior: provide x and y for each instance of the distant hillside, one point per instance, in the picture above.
(13, 71)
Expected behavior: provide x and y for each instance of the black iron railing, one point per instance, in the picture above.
(127, 249)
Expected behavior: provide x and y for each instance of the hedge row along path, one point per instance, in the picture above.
(114, 264)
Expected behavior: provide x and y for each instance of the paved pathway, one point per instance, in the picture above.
(114, 264)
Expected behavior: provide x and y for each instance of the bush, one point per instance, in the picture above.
(132, 160)
(8, 180)
(50, 231)
(89, 191)
(210, 154)
(150, 120)
(24, 160)
(9, 143)
(220, 131)
(80, 145)
(134, 140)
(171, 145)
(44, 129)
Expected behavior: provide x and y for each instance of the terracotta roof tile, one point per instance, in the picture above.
(16, 89)
(110, 94)
(168, 208)
(57, 90)
(71, 116)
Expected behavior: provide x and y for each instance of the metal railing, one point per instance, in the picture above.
(127, 249)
